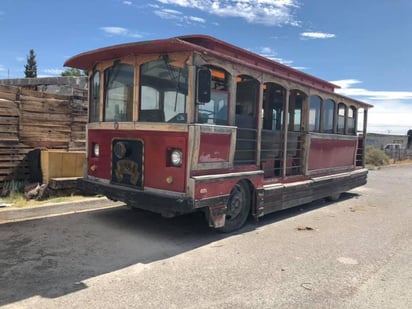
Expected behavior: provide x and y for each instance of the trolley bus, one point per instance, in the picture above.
(193, 123)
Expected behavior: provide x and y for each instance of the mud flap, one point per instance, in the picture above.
(216, 216)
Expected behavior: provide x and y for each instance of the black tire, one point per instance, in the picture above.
(237, 208)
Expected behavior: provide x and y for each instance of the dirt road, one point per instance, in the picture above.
(355, 253)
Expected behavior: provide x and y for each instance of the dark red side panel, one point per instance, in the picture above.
(326, 153)
(214, 147)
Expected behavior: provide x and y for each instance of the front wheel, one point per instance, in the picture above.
(237, 208)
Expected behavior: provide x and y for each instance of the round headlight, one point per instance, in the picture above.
(120, 150)
(96, 150)
(176, 157)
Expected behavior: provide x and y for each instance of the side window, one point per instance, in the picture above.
(296, 99)
(352, 120)
(341, 118)
(247, 98)
(119, 93)
(314, 113)
(273, 99)
(94, 112)
(216, 110)
(328, 115)
(175, 107)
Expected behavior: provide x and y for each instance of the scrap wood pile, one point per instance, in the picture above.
(31, 119)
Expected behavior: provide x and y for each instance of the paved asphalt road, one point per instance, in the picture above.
(355, 253)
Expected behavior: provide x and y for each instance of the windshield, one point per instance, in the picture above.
(163, 92)
(119, 93)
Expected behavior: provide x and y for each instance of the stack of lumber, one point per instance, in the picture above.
(12, 151)
(31, 119)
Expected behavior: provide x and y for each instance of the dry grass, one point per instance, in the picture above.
(18, 200)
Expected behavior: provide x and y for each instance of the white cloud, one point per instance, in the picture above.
(267, 50)
(268, 12)
(197, 19)
(178, 16)
(114, 30)
(168, 14)
(392, 111)
(372, 95)
(300, 68)
(2, 68)
(120, 31)
(317, 35)
(271, 54)
(127, 2)
(21, 59)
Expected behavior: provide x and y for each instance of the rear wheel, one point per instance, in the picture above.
(237, 208)
(334, 197)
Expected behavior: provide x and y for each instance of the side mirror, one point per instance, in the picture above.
(204, 78)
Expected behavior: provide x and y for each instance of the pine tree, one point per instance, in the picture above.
(30, 69)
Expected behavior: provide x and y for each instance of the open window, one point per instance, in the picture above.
(296, 99)
(247, 97)
(273, 106)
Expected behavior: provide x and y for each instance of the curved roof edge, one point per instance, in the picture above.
(255, 60)
(200, 43)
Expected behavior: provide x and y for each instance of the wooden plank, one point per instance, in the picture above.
(40, 94)
(10, 153)
(8, 112)
(27, 117)
(9, 121)
(9, 89)
(4, 103)
(43, 135)
(56, 126)
(8, 164)
(44, 108)
(9, 128)
(30, 101)
(63, 183)
(9, 137)
(9, 96)
(12, 157)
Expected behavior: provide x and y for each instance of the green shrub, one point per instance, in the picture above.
(376, 157)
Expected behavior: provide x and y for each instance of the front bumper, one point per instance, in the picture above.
(165, 205)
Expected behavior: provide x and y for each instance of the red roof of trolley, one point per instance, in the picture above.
(203, 44)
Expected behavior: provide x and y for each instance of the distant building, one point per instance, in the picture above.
(379, 141)
(397, 147)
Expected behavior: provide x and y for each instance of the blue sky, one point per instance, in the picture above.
(365, 46)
